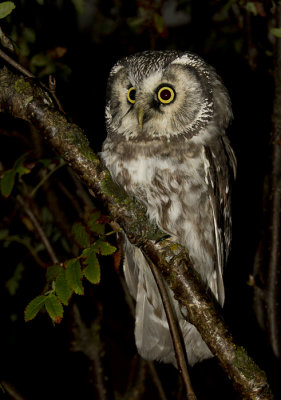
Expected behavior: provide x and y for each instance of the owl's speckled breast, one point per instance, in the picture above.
(170, 182)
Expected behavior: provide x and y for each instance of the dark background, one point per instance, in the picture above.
(36, 357)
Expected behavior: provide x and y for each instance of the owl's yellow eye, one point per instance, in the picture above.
(166, 94)
(131, 95)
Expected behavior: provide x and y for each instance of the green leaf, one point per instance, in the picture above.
(53, 272)
(21, 170)
(159, 23)
(4, 233)
(276, 32)
(34, 307)
(6, 8)
(251, 7)
(12, 284)
(73, 274)
(40, 60)
(92, 271)
(63, 291)
(79, 6)
(54, 308)
(102, 247)
(80, 234)
(94, 225)
(7, 182)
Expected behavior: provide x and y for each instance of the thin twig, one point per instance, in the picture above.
(52, 89)
(156, 380)
(88, 342)
(46, 177)
(6, 41)
(11, 391)
(81, 191)
(176, 338)
(38, 228)
(29, 74)
(26, 243)
(274, 274)
(16, 65)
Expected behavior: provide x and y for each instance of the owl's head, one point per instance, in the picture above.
(164, 95)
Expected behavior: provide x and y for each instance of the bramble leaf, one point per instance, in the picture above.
(53, 272)
(102, 247)
(94, 225)
(7, 182)
(6, 7)
(34, 307)
(92, 271)
(74, 275)
(54, 308)
(80, 234)
(63, 291)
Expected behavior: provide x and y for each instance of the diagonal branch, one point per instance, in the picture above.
(23, 99)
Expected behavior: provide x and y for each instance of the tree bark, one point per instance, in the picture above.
(24, 99)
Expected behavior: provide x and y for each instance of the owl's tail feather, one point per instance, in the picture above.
(152, 334)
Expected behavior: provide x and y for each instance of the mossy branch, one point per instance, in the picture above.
(23, 98)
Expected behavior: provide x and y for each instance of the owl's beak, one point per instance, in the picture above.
(140, 117)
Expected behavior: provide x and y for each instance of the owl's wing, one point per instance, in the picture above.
(219, 160)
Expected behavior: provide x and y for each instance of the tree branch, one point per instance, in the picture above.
(274, 271)
(267, 271)
(23, 99)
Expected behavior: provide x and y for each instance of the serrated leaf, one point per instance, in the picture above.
(6, 8)
(63, 291)
(74, 275)
(80, 234)
(92, 271)
(54, 308)
(7, 182)
(94, 225)
(34, 307)
(52, 272)
(276, 32)
(102, 247)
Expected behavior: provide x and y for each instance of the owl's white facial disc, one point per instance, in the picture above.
(190, 109)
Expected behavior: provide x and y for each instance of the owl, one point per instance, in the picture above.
(166, 115)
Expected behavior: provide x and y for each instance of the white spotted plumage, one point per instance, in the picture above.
(177, 163)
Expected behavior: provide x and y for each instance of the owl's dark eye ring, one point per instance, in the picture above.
(131, 95)
(166, 94)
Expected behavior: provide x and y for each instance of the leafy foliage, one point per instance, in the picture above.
(232, 35)
(6, 7)
(67, 279)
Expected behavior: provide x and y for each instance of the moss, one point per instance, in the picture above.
(28, 100)
(77, 138)
(22, 86)
(111, 189)
(246, 365)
